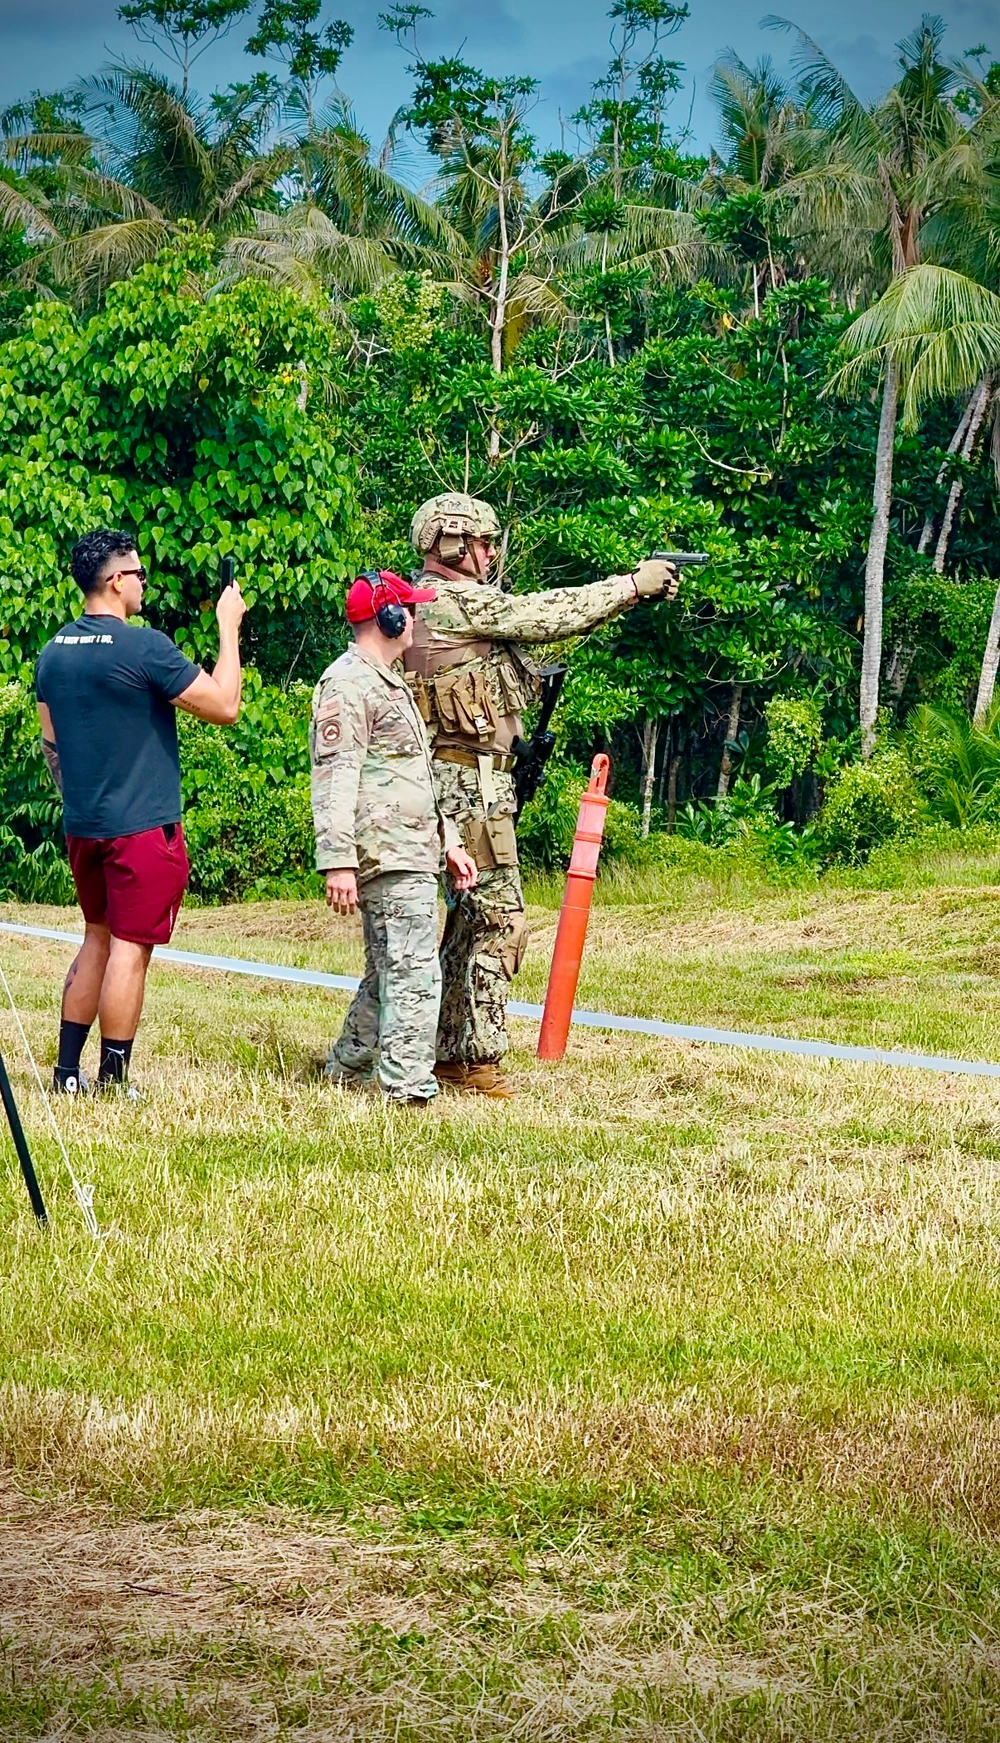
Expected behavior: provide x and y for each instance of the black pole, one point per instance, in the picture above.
(21, 1145)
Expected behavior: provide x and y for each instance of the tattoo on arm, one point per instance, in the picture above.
(50, 752)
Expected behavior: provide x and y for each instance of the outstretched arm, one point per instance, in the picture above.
(559, 611)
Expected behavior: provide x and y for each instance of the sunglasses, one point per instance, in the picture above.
(142, 573)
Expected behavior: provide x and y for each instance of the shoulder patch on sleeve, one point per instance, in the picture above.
(329, 726)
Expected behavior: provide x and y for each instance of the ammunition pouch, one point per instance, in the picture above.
(518, 682)
(464, 705)
(468, 702)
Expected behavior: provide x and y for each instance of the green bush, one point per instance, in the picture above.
(956, 764)
(867, 805)
(32, 860)
(177, 414)
(247, 812)
(794, 737)
(545, 831)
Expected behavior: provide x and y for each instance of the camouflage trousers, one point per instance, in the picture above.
(394, 1013)
(484, 941)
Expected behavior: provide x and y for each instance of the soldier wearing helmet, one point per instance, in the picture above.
(472, 677)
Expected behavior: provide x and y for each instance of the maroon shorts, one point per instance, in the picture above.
(133, 884)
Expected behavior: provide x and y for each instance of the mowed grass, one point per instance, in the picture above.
(661, 1403)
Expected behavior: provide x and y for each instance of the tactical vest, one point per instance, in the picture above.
(470, 692)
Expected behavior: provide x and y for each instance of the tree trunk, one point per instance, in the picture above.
(607, 318)
(732, 728)
(499, 320)
(871, 658)
(650, 738)
(991, 660)
(953, 446)
(980, 405)
(675, 763)
(897, 669)
(668, 745)
(498, 309)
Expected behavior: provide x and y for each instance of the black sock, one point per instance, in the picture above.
(115, 1056)
(71, 1039)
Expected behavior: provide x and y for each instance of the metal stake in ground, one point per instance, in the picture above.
(21, 1145)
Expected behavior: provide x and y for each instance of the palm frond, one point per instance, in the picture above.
(262, 173)
(942, 328)
(828, 92)
(89, 263)
(24, 214)
(304, 249)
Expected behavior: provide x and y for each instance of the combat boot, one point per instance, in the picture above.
(488, 1080)
(451, 1073)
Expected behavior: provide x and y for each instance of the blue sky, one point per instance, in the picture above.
(562, 43)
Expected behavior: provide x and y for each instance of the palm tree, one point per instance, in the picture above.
(348, 223)
(149, 160)
(767, 138)
(942, 331)
(761, 120)
(899, 182)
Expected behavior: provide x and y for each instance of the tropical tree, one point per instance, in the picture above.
(626, 117)
(505, 262)
(899, 181)
(767, 138)
(943, 331)
(350, 223)
(183, 29)
(286, 31)
(147, 160)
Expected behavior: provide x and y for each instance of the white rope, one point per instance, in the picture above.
(84, 1195)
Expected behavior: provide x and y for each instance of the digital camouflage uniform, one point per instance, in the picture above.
(471, 677)
(375, 811)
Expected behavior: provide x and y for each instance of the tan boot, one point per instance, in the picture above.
(488, 1080)
(451, 1073)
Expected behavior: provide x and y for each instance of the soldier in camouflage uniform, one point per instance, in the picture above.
(380, 838)
(472, 676)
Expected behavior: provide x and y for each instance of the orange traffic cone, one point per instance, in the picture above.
(571, 934)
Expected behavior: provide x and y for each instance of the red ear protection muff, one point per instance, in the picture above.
(391, 619)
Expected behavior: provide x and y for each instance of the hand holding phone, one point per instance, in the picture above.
(232, 606)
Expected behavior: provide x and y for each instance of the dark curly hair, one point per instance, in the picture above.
(91, 553)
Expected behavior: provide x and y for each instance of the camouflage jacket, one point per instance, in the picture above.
(472, 628)
(373, 798)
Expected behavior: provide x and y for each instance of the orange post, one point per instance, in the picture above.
(575, 913)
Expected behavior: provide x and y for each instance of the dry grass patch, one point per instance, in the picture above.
(218, 1627)
(660, 1403)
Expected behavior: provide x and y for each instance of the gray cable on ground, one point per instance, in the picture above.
(584, 1019)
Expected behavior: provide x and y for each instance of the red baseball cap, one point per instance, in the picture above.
(367, 596)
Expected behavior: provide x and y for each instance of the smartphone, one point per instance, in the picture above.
(227, 572)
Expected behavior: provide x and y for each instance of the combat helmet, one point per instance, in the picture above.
(452, 518)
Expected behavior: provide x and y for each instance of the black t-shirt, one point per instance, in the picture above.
(109, 687)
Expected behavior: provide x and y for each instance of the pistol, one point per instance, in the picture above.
(681, 559)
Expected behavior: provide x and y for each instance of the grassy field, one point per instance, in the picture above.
(662, 1403)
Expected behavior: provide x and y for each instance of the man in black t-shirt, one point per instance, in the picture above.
(107, 694)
